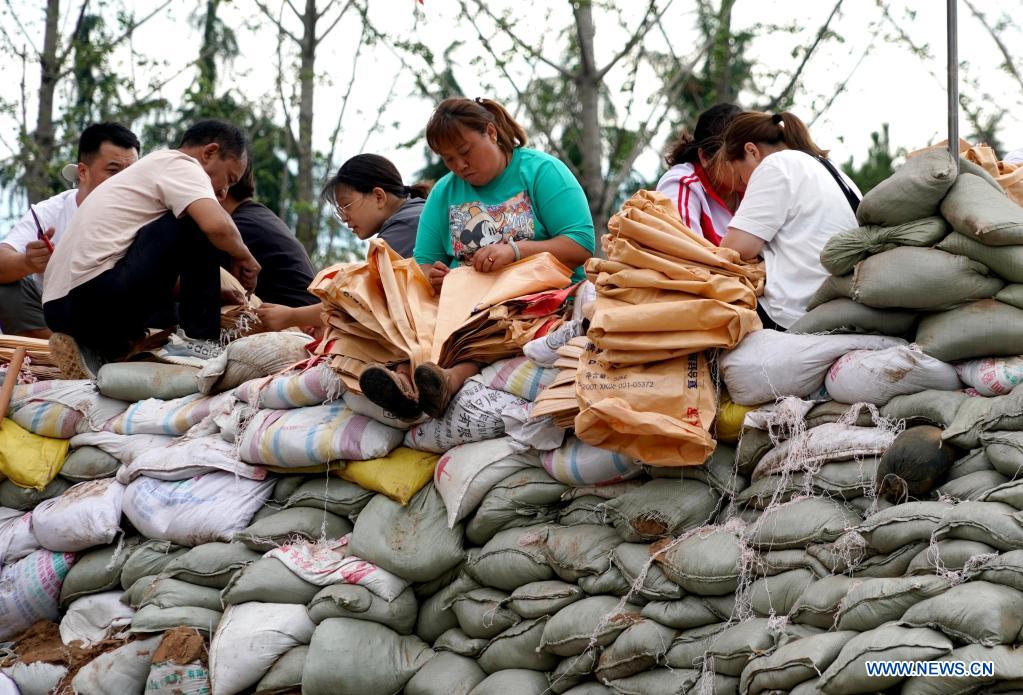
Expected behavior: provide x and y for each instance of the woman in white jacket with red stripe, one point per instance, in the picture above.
(702, 208)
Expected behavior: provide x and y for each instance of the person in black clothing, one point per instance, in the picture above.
(369, 197)
(286, 271)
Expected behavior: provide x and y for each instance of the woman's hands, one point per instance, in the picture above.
(436, 273)
(493, 257)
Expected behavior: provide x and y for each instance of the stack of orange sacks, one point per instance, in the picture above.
(665, 297)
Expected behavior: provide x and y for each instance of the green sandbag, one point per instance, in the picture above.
(137, 381)
(846, 316)
(1010, 294)
(172, 593)
(924, 279)
(355, 657)
(155, 619)
(97, 570)
(986, 328)
(268, 580)
(1005, 261)
(286, 673)
(354, 601)
(25, 499)
(211, 564)
(845, 249)
(914, 191)
(89, 463)
(978, 211)
(411, 541)
(913, 464)
(833, 287)
(446, 674)
(283, 526)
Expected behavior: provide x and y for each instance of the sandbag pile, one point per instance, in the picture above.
(937, 261)
(254, 526)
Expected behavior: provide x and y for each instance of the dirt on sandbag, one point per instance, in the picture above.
(914, 464)
(42, 642)
(182, 645)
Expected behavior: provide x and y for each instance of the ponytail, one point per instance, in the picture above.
(474, 114)
(770, 129)
(707, 136)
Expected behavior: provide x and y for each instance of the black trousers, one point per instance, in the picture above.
(112, 310)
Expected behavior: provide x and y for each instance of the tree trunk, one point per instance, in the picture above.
(208, 52)
(587, 83)
(36, 177)
(306, 229)
(721, 53)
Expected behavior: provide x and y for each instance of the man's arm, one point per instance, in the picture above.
(14, 265)
(748, 246)
(218, 226)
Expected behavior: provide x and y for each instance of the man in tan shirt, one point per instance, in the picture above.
(154, 226)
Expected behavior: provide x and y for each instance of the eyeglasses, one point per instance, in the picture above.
(342, 212)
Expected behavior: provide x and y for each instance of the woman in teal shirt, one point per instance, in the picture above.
(501, 202)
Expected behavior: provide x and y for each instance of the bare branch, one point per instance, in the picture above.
(333, 24)
(74, 34)
(344, 101)
(663, 104)
(1010, 64)
(277, 21)
(24, 32)
(507, 29)
(135, 25)
(521, 97)
(636, 37)
(380, 113)
(794, 79)
(840, 87)
(293, 9)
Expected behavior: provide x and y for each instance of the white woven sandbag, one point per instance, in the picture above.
(203, 509)
(877, 376)
(86, 515)
(250, 638)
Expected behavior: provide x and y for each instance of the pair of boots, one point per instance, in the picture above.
(393, 392)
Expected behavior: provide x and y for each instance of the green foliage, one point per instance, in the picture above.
(878, 164)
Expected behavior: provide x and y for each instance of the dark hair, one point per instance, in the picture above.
(363, 173)
(710, 126)
(245, 188)
(232, 140)
(459, 112)
(93, 137)
(770, 129)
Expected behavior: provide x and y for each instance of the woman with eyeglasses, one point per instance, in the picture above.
(500, 203)
(369, 197)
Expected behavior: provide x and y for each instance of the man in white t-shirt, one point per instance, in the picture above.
(104, 149)
(152, 238)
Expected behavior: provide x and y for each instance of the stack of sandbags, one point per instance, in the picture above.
(665, 296)
(933, 262)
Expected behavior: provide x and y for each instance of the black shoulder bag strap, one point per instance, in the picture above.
(854, 200)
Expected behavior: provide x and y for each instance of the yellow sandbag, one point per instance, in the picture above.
(399, 475)
(730, 418)
(29, 460)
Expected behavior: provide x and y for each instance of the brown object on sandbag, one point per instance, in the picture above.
(181, 645)
(976, 210)
(659, 413)
(1008, 176)
(11, 380)
(914, 464)
(384, 311)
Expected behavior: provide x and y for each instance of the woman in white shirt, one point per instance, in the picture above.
(794, 200)
(704, 205)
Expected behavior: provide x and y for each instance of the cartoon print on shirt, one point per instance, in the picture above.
(475, 225)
